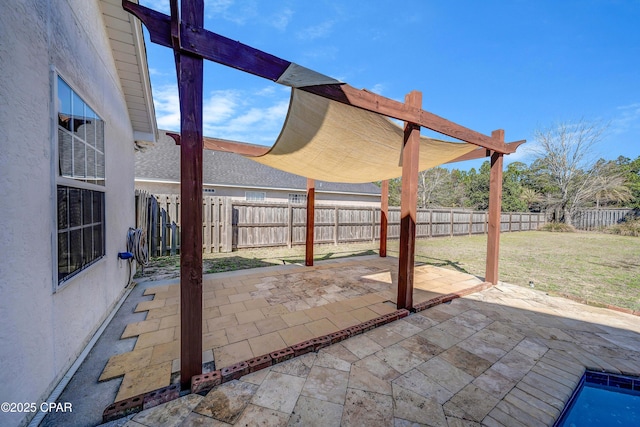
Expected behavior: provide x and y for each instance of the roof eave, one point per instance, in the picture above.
(136, 87)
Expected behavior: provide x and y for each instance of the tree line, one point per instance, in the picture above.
(563, 177)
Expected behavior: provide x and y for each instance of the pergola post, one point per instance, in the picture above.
(311, 195)
(495, 210)
(408, 205)
(384, 215)
(190, 78)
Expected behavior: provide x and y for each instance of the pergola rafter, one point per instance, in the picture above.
(183, 32)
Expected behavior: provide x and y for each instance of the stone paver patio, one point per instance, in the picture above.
(506, 356)
(254, 312)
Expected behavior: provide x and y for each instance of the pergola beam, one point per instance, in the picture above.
(408, 207)
(311, 198)
(190, 85)
(251, 150)
(384, 217)
(481, 153)
(495, 210)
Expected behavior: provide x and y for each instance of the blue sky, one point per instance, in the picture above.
(514, 65)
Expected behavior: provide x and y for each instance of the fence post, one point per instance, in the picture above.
(336, 226)
(206, 226)
(216, 224)
(163, 231)
(451, 234)
(227, 240)
(290, 226)
(174, 238)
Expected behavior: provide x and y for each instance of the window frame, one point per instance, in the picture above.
(85, 184)
(253, 199)
(297, 198)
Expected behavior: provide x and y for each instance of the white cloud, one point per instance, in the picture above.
(317, 31)
(628, 118)
(229, 114)
(281, 20)
(167, 105)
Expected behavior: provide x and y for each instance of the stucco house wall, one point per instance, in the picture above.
(43, 327)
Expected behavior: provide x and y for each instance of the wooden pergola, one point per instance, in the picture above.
(183, 32)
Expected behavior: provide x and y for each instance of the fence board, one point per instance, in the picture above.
(229, 224)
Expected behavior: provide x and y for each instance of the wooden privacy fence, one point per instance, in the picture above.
(592, 219)
(231, 224)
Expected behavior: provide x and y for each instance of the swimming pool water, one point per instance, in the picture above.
(600, 401)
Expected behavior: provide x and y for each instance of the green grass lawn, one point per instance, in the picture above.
(600, 268)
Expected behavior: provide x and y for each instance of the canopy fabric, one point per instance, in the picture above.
(330, 141)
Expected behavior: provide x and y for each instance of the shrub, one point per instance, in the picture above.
(625, 228)
(557, 227)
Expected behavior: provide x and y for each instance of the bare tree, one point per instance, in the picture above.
(429, 182)
(566, 154)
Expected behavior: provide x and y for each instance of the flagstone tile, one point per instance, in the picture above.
(326, 384)
(150, 339)
(171, 321)
(249, 316)
(126, 362)
(466, 361)
(494, 383)
(341, 352)
(404, 328)
(227, 401)
(144, 380)
(239, 297)
(279, 391)
(415, 408)
(274, 310)
(295, 335)
(271, 324)
(214, 339)
(222, 322)
(343, 320)
(384, 336)
(470, 403)
(169, 414)
(295, 318)
(232, 308)
(241, 332)
(135, 329)
(321, 327)
(364, 314)
(419, 383)
(257, 415)
(165, 352)
(229, 354)
(256, 303)
(452, 378)
(216, 302)
(265, 344)
(310, 412)
(147, 305)
(361, 345)
(317, 313)
(298, 366)
(399, 358)
(156, 313)
(365, 408)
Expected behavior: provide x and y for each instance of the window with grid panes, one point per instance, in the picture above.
(80, 184)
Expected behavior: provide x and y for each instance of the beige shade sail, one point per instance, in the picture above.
(330, 141)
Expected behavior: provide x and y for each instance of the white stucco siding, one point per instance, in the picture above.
(42, 331)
